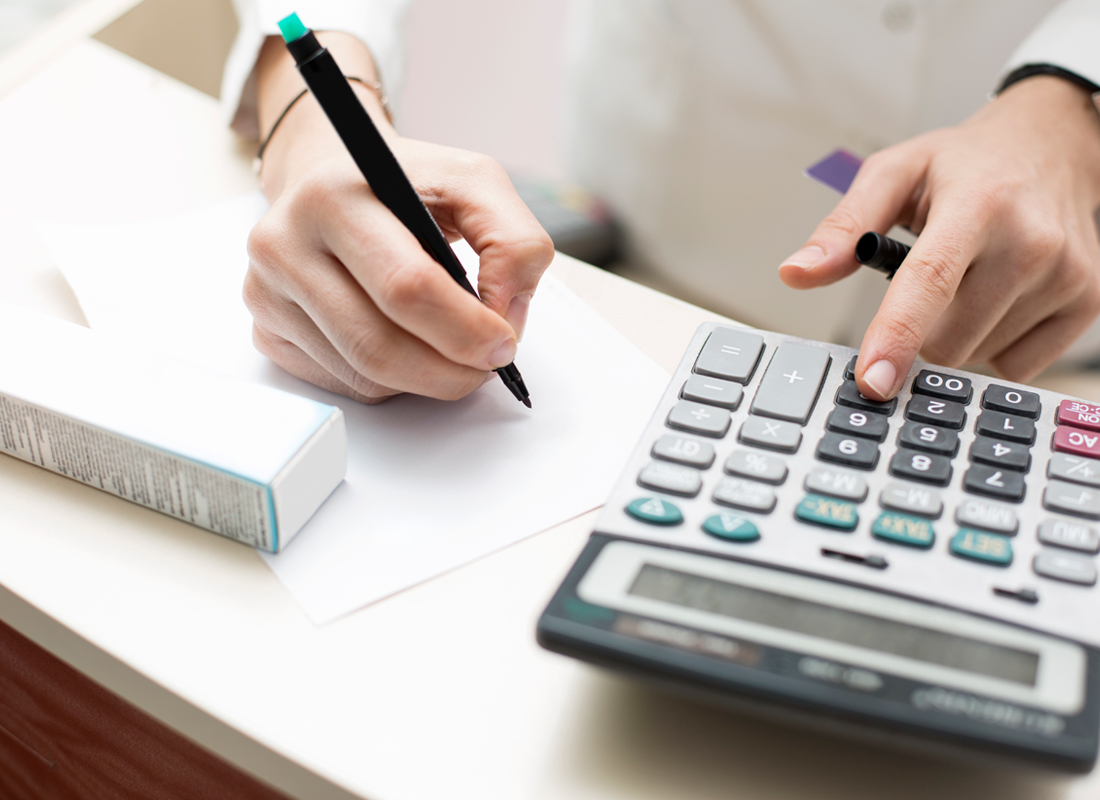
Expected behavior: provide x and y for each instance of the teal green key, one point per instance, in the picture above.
(904, 529)
(989, 548)
(731, 527)
(828, 512)
(655, 511)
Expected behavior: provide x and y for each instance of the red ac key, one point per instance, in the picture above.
(1079, 415)
(1076, 441)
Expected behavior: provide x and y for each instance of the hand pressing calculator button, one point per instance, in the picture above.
(943, 545)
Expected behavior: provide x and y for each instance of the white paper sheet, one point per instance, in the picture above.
(430, 485)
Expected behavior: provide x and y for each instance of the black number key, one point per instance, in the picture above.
(848, 395)
(1008, 455)
(858, 423)
(1000, 483)
(1005, 426)
(945, 387)
(937, 412)
(923, 467)
(919, 436)
(849, 450)
(1011, 401)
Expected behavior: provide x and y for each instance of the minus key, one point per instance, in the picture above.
(712, 391)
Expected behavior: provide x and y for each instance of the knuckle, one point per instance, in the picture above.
(405, 288)
(264, 244)
(934, 274)
(947, 351)
(844, 221)
(368, 356)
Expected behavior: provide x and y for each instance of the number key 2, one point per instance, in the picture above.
(937, 412)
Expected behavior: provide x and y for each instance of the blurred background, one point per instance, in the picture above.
(455, 92)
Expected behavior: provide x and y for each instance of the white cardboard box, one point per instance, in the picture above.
(243, 460)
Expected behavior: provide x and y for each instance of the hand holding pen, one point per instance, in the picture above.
(342, 294)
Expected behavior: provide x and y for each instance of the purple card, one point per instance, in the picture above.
(837, 170)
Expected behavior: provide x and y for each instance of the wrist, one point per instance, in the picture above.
(296, 134)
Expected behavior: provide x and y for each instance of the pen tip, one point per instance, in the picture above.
(527, 401)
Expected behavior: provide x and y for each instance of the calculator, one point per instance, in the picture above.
(922, 569)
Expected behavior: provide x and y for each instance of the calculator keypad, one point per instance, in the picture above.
(767, 442)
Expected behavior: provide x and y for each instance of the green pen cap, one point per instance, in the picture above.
(292, 28)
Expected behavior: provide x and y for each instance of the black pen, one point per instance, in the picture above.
(376, 161)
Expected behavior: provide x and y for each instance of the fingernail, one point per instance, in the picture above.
(807, 257)
(504, 355)
(517, 312)
(880, 376)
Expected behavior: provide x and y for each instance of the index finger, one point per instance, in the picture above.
(920, 292)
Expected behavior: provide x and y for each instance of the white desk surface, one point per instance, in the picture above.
(437, 692)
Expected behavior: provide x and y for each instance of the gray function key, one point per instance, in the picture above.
(836, 483)
(759, 467)
(1071, 499)
(712, 391)
(671, 478)
(791, 382)
(749, 495)
(771, 433)
(1065, 567)
(683, 450)
(698, 418)
(1074, 468)
(987, 516)
(731, 354)
(911, 499)
(1070, 535)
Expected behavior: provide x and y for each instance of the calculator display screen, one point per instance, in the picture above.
(839, 625)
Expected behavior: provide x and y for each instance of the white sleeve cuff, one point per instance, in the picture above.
(1067, 38)
(380, 24)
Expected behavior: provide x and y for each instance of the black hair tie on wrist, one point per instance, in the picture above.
(1031, 70)
(374, 86)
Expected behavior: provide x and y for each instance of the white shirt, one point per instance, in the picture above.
(695, 118)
